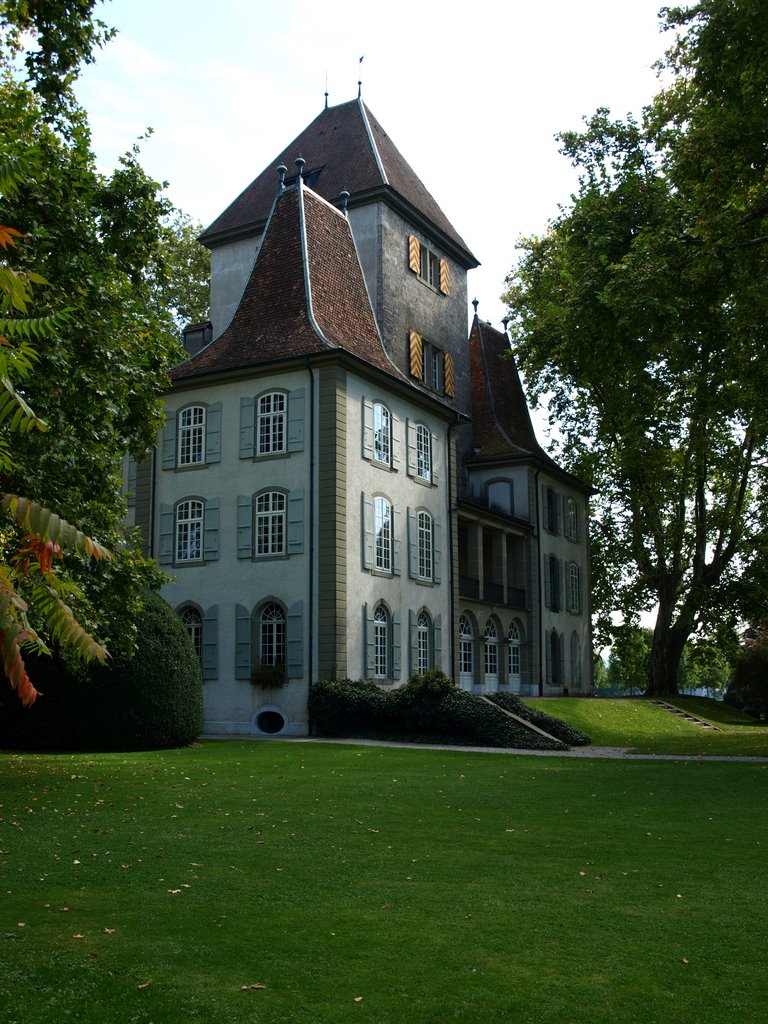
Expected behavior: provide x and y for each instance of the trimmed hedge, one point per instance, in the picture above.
(554, 726)
(425, 710)
(154, 699)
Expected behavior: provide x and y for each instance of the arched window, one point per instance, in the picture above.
(381, 642)
(423, 452)
(382, 434)
(271, 423)
(383, 534)
(191, 436)
(189, 531)
(466, 659)
(425, 563)
(272, 635)
(491, 651)
(423, 653)
(270, 523)
(193, 623)
(571, 519)
(513, 667)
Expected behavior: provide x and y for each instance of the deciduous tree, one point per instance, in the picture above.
(642, 313)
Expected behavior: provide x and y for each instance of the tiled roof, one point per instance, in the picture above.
(501, 423)
(306, 294)
(345, 149)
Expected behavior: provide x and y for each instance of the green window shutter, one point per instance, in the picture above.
(169, 440)
(165, 552)
(211, 643)
(296, 522)
(544, 508)
(243, 661)
(396, 645)
(548, 657)
(561, 652)
(411, 459)
(561, 583)
(547, 582)
(247, 426)
(369, 641)
(397, 526)
(294, 635)
(413, 545)
(396, 427)
(580, 608)
(367, 538)
(132, 467)
(413, 640)
(437, 641)
(244, 526)
(213, 433)
(211, 530)
(296, 406)
(437, 549)
(367, 429)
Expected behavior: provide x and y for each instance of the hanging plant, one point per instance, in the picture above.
(268, 676)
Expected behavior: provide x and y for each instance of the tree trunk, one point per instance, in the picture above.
(666, 653)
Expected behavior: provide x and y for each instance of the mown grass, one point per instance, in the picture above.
(646, 729)
(380, 884)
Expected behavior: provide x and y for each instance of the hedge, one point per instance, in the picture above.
(425, 710)
(151, 700)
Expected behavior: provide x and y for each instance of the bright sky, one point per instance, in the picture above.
(472, 100)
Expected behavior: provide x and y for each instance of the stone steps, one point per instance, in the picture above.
(685, 715)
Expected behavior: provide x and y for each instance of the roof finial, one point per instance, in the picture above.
(475, 303)
(505, 320)
(359, 81)
(344, 199)
(282, 170)
(326, 90)
(299, 161)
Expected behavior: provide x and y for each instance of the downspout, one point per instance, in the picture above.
(542, 657)
(451, 560)
(311, 616)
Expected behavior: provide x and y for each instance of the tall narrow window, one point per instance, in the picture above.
(271, 423)
(192, 436)
(513, 639)
(382, 434)
(383, 534)
(466, 652)
(425, 545)
(491, 651)
(574, 588)
(423, 453)
(193, 623)
(270, 524)
(571, 520)
(381, 643)
(189, 531)
(422, 643)
(272, 635)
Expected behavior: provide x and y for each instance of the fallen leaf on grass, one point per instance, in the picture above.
(144, 984)
(246, 988)
(686, 960)
(78, 936)
(109, 931)
(358, 999)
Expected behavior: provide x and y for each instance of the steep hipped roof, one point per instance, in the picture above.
(501, 423)
(306, 294)
(345, 149)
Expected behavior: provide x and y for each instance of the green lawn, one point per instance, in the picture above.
(637, 724)
(380, 884)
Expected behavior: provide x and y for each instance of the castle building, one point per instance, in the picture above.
(347, 486)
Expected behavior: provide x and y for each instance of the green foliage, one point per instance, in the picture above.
(641, 314)
(428, 711)
(433, 683)
(150, 699)
(750, 674)
(629, 659)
